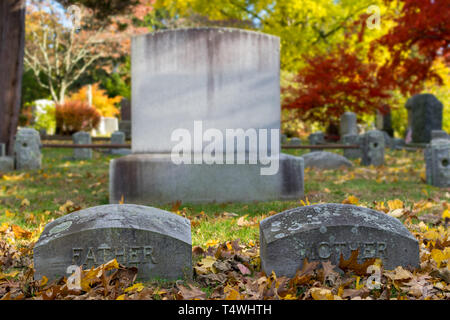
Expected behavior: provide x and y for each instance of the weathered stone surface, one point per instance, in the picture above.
(227, 78)
(439, 134)
(6, 164)
(125, 126)
(351, 140)
(424, 115)
(325, 160)
(437, 160)
(154, 178)
(125, 109)
(82, 138)
(323, 232)
(372, 148)
(2, 149)
(348, 124)
(118, 137)
(157, 242)
(316, 138)
(295, 142)
(27, 149)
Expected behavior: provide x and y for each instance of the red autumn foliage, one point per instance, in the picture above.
(74, 116)
(331, 84)
(421, 35)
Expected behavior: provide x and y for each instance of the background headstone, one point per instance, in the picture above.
(424, 115)
(439, 134)
(82, 137)
(157, 242)
(6, 164)
(316, 138)
(348, 124)
(398, 143)
(295, 142)
(27, 149)
(125, 118)
(118, 137)
(325, 160)
(372, 148)
(351, 140)
(437, 160)
(283, 139)
(323, 232)
(2, 150)
(107, 126)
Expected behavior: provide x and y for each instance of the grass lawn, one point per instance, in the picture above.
(32, 198)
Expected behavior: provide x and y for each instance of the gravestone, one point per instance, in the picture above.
(324, 232)
(439, 134)
(6, 164)
(118, 137)
(107, 126)
(437, 161)
(348, 124)
(424, 116)
(372, 148)
(82, 137)
(27, 149)
(325, 160)
(188, 84)
(125, 118)
(295, 142)
(351, 140)
(398, 143)
(283, 139)
(316, 138)
(156, 242)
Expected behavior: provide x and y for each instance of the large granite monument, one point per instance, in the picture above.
(424, 116)
(207, 94)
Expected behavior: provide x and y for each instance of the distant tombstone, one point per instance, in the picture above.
(156, 242)
(424, 116)
(351, 140)
(107, 126)
(439, 134)
(316, 138)
(82, 138)
(295, 142)
(125, 109)
(118, 137)
(325, 160)
(2, 149)
(324, 232)
(27, 149)
(348, 124)
(6, 164)
(283, 139)
(437, 160)
(372, 148)
(398, 143)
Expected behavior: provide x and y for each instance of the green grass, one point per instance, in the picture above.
(85, 184)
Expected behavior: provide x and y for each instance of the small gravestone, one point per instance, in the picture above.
(424, 116)
(437, 160)
(6, 164)
(283, 139)
(156, 242)
(351, 140)
(439, 134)
(325, 160)
(125, 117)
(324, 232)
(118, 137)
(372, 148)
(27, 149)
(2, 150)
(348, 124)
(82, 138)
(316, 138)
(295, 142)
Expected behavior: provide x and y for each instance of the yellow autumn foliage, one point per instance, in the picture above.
(100, 100)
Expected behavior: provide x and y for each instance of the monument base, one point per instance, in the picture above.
(154, 178)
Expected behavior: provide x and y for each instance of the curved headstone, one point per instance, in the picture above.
(157, 242)
(348, 124)
(325, 160)
(323, 232)
(372, 146)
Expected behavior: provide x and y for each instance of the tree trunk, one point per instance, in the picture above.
(12, 38)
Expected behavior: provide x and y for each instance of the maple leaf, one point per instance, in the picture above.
(352, 263)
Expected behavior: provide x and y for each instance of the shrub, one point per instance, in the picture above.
(100, 100)
(74, 116)
(45, 116)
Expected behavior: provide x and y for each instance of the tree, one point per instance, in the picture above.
(12, 33)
